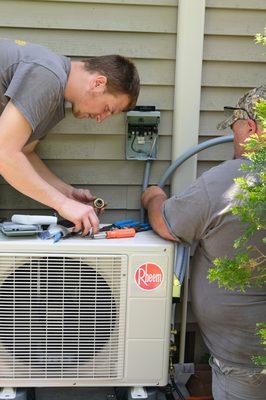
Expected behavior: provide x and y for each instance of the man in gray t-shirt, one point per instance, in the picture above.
(201, 214)
(34, 85)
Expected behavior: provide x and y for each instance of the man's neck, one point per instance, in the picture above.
(75, 80)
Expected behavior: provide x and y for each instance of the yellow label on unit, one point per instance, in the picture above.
(20, 42)
(176, 287)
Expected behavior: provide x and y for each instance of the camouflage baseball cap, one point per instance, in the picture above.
(245, 107)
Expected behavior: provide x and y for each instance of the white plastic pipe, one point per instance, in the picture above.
(189, 54)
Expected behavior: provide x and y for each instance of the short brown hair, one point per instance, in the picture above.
(121, 73)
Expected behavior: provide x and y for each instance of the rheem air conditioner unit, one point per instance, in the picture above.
(85, 312)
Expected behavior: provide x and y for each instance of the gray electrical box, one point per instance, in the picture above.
(142, 133)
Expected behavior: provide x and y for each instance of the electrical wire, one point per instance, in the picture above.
(135, 150)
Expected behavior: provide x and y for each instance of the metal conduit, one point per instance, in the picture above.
(191, 152)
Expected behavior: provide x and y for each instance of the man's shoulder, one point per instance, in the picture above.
(46, 58)
(17, 52)
(228, 169)
(221, 179)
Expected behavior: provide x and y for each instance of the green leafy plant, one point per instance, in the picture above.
(261, 360)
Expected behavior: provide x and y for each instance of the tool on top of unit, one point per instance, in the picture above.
(9, 228)
(58, 231)
(34, 219)
(64, 228)
(26, 225)
(119, 229)
(128, 223)
(142, 133)
(114, 234)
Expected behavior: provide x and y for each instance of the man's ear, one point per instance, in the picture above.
(99, 83)
(252, 126)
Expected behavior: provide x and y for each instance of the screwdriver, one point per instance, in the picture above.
(116, 234)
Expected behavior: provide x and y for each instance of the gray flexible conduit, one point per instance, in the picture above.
(146, 178)
(191, 152)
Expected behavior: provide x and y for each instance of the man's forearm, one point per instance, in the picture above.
(18, 171)
(48, 175)
(153, 199)
(156, 218)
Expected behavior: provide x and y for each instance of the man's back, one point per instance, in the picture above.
(33, 77)
(227, 319)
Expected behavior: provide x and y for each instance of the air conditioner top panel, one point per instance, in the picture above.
(143, 240)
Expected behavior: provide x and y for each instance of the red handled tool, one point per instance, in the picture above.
(115, 234)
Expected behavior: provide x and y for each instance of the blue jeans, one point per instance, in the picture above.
(233, 383)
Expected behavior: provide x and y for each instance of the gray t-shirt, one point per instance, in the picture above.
(227, 319)
(34, 78)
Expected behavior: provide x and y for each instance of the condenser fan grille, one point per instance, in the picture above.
(62, 317)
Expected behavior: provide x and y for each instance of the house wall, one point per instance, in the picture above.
(89, 155)
(232, 65)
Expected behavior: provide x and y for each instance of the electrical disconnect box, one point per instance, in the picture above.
(142, 133)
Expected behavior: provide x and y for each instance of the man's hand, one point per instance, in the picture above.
(85, 196)
(150, 193)
(83, 216)
(81, 195)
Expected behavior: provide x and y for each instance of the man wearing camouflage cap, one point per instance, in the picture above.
(242, 119)
(201, 214)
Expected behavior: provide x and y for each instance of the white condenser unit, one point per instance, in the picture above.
(85, 312)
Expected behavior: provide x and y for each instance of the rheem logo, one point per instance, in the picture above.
(149, 276)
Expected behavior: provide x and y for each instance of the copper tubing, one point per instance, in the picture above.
(99, 203)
